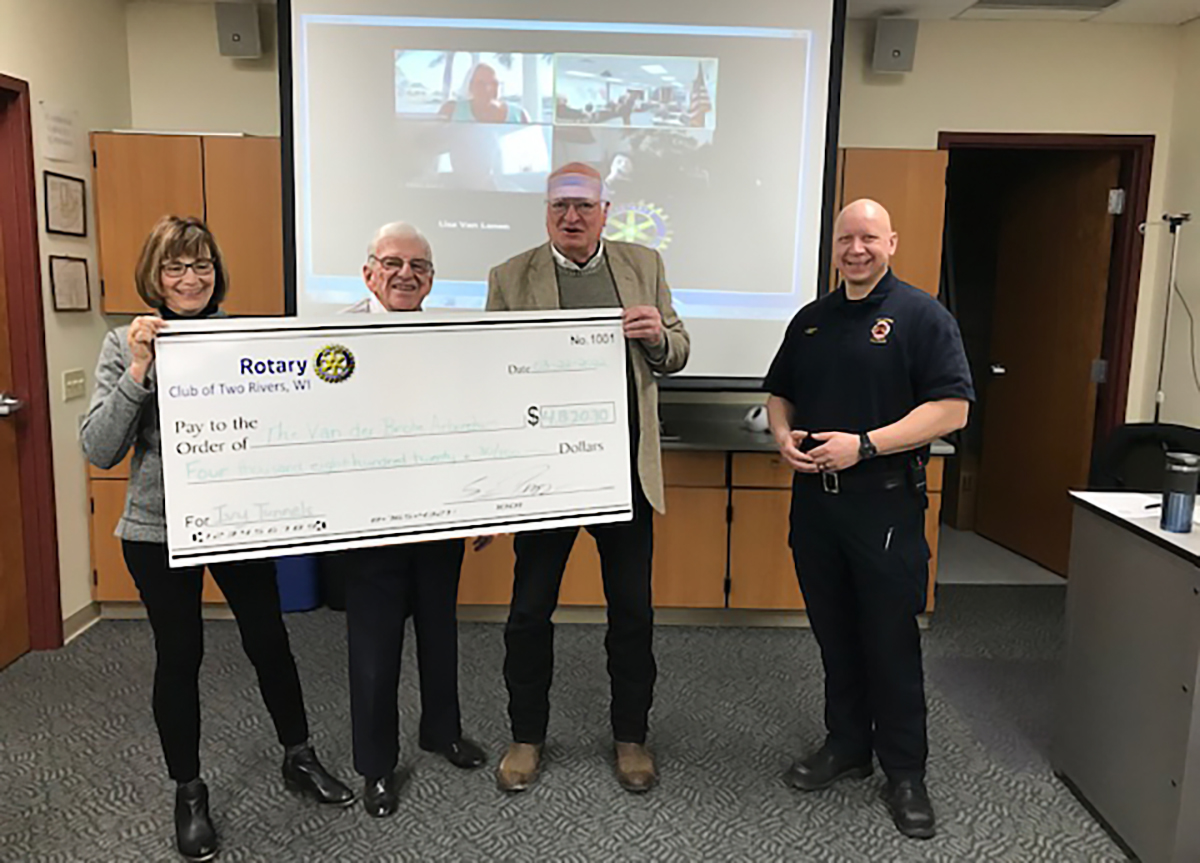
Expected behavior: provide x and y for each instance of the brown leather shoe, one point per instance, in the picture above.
(519, 767)
(635, 768)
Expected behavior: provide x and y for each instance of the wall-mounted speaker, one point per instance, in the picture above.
(237, 30)
(895, 45)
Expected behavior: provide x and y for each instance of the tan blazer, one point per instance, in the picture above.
(528, 283)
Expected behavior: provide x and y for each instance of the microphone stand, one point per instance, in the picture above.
(1174, 223)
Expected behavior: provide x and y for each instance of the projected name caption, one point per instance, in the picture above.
(280, 437)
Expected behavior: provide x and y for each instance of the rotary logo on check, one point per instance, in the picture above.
(333, 364)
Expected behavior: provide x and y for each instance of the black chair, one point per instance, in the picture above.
(1134, 456)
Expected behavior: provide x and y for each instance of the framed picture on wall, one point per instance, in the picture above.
(69, 284)
(66, 210)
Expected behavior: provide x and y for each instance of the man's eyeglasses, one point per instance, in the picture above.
(562, 206)
(419, 266)
(201, 267)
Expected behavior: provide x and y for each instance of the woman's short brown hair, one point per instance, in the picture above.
(175, 237)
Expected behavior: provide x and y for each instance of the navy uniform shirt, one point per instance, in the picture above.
(857, 365)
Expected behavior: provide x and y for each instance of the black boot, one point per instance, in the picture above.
(908, 802)
(194, 834)
(303, 774)
(820, 769)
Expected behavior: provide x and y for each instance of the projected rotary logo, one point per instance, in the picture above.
(641, 223)
(333, 364)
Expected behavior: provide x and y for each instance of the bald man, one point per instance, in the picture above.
(579, 270)
(867, 378)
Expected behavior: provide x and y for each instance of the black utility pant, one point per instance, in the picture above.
(863, 566)
(625, 549)
(384, 586)
(172, 600)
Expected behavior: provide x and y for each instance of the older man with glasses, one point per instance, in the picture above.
(579, 270)
(387, 584)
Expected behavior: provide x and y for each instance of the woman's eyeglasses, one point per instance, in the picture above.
(201, 267)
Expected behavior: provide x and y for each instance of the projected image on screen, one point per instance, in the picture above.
(474, 87)
(466, 120)
(625, 90)
(710, 138)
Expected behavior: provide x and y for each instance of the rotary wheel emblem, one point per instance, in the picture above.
(642, 223)
(333, 364)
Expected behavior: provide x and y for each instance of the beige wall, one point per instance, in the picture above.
(174, 42)
(120, 66)
(969, 76)
(992, 76)
(1182, 403)
(73, 54)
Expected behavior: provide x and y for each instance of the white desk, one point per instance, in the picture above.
(1128, 730)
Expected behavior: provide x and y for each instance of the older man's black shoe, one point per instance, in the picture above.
(464, 753)
(304, 774)
(819, 770)
(381, 796)
(908, 802)
(194, 834)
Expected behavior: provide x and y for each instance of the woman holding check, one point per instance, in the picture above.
(181, 276)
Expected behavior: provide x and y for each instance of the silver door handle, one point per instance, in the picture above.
(9, 405)
(999, 370)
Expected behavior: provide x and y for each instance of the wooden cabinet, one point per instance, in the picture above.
(487, 575)
(718, 537)
(243, 206)
(138, 179)
(111, 581)
(690, 547)
(689, 542)
(762, 574)
(911, 184)
(233, 182)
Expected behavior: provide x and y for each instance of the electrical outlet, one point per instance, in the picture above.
(74, 384)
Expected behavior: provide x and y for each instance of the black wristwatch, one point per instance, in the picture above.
(866, 449)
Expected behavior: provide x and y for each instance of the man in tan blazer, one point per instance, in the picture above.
(576, 270)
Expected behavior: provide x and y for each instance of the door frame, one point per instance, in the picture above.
(23, 271)
(1125, 269)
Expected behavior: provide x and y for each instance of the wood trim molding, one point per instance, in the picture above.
(22, 262)
(1125, 274)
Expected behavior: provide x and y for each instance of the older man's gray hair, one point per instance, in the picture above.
(399, 231)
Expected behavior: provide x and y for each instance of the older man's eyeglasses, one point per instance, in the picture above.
(562, 206)
(419, 266)
(201, 267)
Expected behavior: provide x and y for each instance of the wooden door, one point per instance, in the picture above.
(14, 610)
(1053, 258)
(911, 185)
(138, 179)
(244, 210)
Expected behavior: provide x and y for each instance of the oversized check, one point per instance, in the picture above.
(282, 436)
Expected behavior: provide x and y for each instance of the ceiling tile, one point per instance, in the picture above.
(924, 9)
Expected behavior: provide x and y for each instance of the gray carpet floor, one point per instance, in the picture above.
(81, 775)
